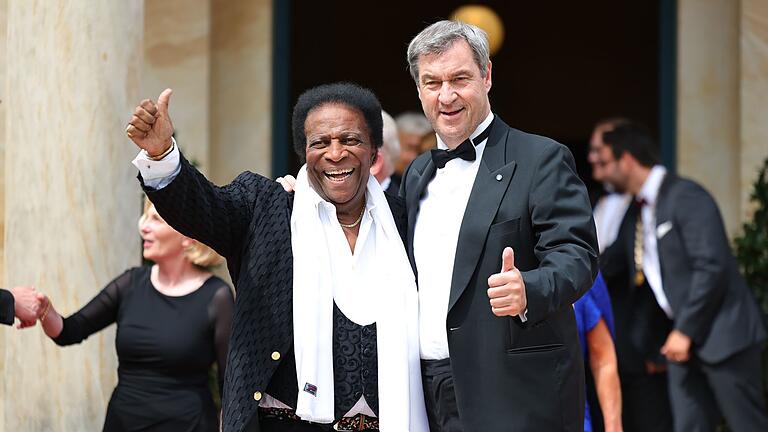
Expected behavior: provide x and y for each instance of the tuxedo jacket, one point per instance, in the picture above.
(248, 223)
(711, 301)
(510, 375)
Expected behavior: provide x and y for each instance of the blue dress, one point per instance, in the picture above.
(589, 309)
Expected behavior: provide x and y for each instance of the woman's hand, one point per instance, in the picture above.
(51, 321)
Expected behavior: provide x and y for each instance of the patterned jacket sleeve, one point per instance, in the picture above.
(218, 216)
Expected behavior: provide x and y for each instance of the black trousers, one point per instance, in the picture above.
(440, 398)
(645, 403)
(702, 393)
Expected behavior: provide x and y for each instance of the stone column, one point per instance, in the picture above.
(3, 96)
(241, 83)
(72, 200)
(177, 55)
(3, 93)
(708, 118)
(754, 94)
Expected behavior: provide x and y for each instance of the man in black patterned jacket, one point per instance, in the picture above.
(338, 128)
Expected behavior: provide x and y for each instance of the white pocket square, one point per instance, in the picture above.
(663, 229)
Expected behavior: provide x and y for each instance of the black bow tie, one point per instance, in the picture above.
(465, 150)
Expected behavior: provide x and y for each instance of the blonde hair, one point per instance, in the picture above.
(197, 253)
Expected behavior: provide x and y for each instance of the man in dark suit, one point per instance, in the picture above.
(501, 235)
(641, 325)
(715, 335)
(20, 302)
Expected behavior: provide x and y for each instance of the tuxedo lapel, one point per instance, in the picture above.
(493, 177)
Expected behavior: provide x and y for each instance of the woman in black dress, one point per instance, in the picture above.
(173, 321)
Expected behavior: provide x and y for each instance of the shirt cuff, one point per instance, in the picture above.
(523, 316)
(158, 174)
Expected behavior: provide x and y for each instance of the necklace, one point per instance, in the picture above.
(359, 218)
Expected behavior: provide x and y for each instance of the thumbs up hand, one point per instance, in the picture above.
(506, 290)
(150, 127)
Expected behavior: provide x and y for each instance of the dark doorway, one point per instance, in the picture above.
(562, 67)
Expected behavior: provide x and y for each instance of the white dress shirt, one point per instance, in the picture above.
(608, 213)
(346, 265)
(435, 237)
(651, 267)
(385, 183)
(158, 174)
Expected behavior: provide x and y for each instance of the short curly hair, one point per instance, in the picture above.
(345, 93)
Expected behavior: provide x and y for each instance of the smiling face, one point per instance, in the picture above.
(339, 155)
(160, 240)
(453, 92)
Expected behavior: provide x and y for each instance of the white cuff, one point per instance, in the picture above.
(523, 316)
(158, 174)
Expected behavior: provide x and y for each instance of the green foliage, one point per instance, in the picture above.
(752, 245)
(752, 252)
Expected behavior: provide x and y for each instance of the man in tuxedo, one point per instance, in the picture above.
(387, 156)
(679, 255)
(501, 236)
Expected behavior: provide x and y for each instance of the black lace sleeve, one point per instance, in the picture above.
(100, 312)
(220, 310)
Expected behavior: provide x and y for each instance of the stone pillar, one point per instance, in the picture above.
(3, 96)
(754, 94)
(708, 101)
(3, 93)
(177, 55)
(72, 200)
(241, 83)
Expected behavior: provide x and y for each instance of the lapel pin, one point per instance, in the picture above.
(498, 177)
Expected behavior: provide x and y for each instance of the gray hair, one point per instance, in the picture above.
(413, 123)
(391, 142)
(440, 36)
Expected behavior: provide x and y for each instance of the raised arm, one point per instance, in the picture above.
(216, 216)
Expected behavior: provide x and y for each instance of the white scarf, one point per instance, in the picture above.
(389, 298)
